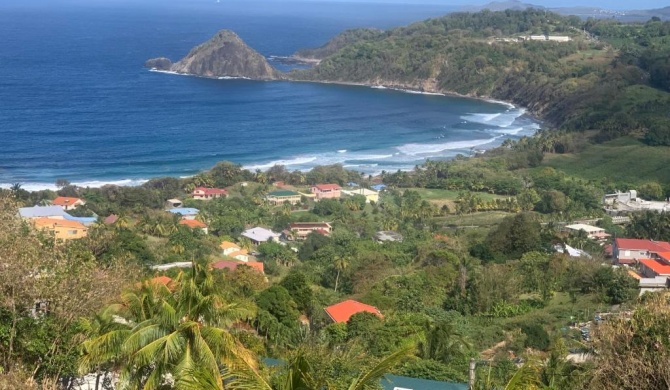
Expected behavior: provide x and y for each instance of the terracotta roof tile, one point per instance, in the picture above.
(64, 201)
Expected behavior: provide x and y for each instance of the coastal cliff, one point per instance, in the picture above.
(225, 55)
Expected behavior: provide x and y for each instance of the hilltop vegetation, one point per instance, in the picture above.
(611, 77)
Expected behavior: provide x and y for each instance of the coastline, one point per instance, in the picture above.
(411, 89)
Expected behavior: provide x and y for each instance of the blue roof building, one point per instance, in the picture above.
(184, 211)
(395, 382)
(86, 221)
(43, 212)
(379, 187)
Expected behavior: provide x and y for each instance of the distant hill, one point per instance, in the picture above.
(581, 11)
(502, 6)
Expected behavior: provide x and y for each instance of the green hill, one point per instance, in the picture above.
(610, 77)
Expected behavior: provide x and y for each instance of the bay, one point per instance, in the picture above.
(76, 103)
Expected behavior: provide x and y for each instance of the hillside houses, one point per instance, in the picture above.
(54, 219)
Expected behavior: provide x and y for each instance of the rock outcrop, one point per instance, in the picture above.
(160, 63)
(225, 55)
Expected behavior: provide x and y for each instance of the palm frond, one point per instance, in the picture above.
(370, 378)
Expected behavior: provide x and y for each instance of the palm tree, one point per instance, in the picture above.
(443, 342)
(341, 263)
(302, 370)
(171, 332)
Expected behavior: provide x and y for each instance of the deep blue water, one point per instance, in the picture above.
(76, 103)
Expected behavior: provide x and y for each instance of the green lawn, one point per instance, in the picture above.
(622, 160)
(484, 218)
(437, 194)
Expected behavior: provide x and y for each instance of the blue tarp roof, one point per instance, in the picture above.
(378, 187)
(184, 211)
(390, 382)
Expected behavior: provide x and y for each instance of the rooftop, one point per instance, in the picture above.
(184, 211)
(52, 222)
(193, 224)
(648, 245)
(65, 201)
(228, 245)
(283, 193)
(587, 228)
(260, 234)
(42, 211)
(309, 225)
(341, 312)
(658, 266)
(211, 191)
(327, 187)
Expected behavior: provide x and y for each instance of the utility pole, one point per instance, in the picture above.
(471, 382)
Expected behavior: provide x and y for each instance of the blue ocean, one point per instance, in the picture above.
(76, 102)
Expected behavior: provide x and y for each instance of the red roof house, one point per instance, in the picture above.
(203, 193)
(194, 224)
(629, 250)
(341, 312)
(67, 203)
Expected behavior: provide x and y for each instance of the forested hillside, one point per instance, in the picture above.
(610, 77)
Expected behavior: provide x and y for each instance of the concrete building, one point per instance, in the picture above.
(63, 229)
(370, 196)
(202, 193)
(326, 191)
(630, 251)
(67, 203)
(300, 230)
(281, 196)
(260, 235)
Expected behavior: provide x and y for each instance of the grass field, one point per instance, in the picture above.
(621, 160)
(448, 197)
(480, 219)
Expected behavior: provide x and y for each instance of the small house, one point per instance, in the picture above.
(67, 203)
(62, 229)
(326, 191)
(280, 196)
(259, 235)
(378, 187)
(194, 224)
(300, 230)
(202, 193)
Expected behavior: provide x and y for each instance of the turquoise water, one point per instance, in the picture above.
(76, 103)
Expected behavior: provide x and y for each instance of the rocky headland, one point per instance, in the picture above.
(225, 55)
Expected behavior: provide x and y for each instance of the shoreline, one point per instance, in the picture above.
(131, 182)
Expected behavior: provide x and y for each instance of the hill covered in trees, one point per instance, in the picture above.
(610, 77)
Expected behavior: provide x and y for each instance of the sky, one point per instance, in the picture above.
(607, 4)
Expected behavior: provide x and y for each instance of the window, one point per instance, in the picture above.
(72, 232)
(626, 253)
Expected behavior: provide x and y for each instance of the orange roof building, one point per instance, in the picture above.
(193, 224)
(68, 203)
(653, 267)
(341, 312)
(63, 229)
